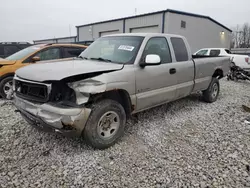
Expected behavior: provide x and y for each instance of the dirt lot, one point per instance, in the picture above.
(185, 143)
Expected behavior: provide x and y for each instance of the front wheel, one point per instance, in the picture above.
(105, 124)
(6, 87)
(211, 94)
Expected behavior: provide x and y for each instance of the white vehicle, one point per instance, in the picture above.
(241, 61)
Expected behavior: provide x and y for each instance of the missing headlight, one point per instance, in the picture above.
(61, 92)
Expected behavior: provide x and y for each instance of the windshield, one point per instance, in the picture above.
(114, 49)
(202, 52)
(23, 53)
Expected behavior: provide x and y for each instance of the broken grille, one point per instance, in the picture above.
(32, 91)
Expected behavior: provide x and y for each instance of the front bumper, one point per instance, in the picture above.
(66, 121)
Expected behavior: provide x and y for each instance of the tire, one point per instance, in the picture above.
(211, 94)
(99, 132)
(3, 84)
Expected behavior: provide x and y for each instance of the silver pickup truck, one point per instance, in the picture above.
(116, 76)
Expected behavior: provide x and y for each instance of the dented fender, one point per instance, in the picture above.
(84, 88)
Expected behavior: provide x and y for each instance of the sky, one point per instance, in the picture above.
(28, 20)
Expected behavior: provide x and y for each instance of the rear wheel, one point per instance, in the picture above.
(211, 94)
(105, 124)
(6, 87)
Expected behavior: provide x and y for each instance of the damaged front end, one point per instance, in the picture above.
(67, 121)
(83, 89)
(57, 106)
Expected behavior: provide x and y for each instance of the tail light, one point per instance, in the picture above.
(247, 59)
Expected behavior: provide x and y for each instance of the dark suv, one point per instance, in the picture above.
(9, 48)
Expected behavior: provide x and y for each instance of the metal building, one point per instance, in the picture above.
(57, 40)
(200, 31)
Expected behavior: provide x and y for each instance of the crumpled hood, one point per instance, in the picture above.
(59, 70)
(6, 62)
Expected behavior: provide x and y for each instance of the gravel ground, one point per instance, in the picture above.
(186, 143)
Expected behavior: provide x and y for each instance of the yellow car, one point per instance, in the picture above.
(33, 54)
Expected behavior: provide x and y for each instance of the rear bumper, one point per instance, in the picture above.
(245, 66)
(66, 121)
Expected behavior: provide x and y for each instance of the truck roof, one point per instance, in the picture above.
(145, 35)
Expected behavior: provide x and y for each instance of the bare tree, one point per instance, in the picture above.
(244, 36)
(241, 36)
(236, 32)
(248, 37)
(233, 42)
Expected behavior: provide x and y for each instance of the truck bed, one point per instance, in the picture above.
(205, 67)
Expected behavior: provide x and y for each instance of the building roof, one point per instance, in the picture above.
(55, 39)
(152, 13)
(142, 34)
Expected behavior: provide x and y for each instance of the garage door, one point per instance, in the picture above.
(150, 29)
(108, 33)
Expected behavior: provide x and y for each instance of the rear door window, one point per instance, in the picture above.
(228, 51)
(214, 52)
(72, 52)
(180, 49)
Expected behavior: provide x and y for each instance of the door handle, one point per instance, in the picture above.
(172, 71)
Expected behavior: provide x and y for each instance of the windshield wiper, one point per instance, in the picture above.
(100, 59)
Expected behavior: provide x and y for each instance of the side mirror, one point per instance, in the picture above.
(151, 60)
(35, 59)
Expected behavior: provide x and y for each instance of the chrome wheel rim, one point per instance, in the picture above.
(7, 88)
(108, 125)
(215, 90)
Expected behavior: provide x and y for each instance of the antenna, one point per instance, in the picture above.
(69, 30)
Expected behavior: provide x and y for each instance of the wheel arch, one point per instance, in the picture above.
(119, 95)
(218, 73)
(7, 75)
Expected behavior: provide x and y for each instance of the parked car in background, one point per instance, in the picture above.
(33, 54)
(241, 61)
(117, 75)
(9, 48)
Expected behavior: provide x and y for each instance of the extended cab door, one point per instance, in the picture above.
(155, 84)
(184, 66)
